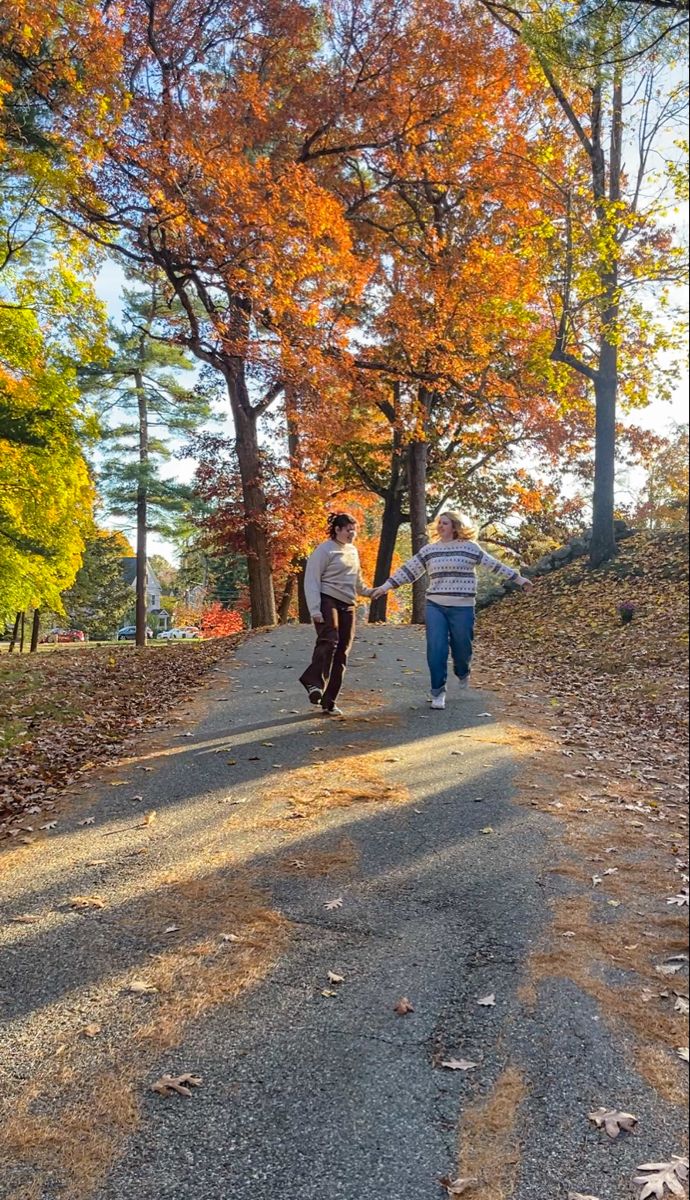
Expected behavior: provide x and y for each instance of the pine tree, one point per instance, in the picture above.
(144, 407)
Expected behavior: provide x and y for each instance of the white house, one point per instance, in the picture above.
(154, 592)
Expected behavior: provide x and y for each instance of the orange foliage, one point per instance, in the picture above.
(217, 621)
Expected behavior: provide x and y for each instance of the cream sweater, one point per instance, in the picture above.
(335, 570)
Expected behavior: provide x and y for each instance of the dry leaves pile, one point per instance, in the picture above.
(63, 712)
(622, 688)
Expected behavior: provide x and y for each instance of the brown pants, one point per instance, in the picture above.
(334, 638)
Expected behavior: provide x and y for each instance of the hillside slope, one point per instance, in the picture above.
(621, 688)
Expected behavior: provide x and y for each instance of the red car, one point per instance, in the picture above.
(63, 635)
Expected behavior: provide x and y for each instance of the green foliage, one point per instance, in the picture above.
(50, 323)
(99, 599)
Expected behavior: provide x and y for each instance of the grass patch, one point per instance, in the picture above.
(340, 783)
(489, 1144)
(314, 864)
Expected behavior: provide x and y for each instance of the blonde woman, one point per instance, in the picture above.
(451, 563)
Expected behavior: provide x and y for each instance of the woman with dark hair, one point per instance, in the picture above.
(332, 582)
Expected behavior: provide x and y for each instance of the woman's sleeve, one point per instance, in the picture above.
(409, 572)
(498, 568)
(312, 580)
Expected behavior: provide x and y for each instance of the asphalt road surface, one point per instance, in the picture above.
(309, 1096)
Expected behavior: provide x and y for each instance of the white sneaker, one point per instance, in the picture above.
(439, 701)
(333, 711)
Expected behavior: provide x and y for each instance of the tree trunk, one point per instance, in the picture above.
(603, 544)
(142, 506)
(257, 542)
(417, 461)
(15, 633)
(390, 524)
(35, 630)
(302, 606)
(22, 630)
(286, 599)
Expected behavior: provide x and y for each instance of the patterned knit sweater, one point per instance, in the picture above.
(452, 570)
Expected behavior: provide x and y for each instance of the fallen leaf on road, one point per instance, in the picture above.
(669, 968)
(49, 825)
(230, 937)
(84, 902)
(403, 1007)
(148, 820)
(487, 1001)
(484, 714)
(488, 829)
(681, 899)
(682, 1005)
(596, 880)
(328, 993)
(581, 1196)
(27, 919)
(658, 1177)
(613, 1121)
(331, 905)
(458, 1187)
(171, 929)
(333, 978)
(91, 1031)
(684, 1053)
(179, 1084)
(459, 1064)
(87, 821)
(139, 987)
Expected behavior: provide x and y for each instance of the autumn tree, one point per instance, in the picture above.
(609, 69)
(665, 499)
(240, 119)
(454, 350)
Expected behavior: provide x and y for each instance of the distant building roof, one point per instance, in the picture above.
(129, 570)
(129, 573)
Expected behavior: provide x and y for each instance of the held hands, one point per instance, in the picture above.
(378, 592)
(317, 618)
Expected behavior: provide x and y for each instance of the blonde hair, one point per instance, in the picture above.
(463, 529)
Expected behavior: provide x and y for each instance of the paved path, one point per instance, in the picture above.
(307, 1096)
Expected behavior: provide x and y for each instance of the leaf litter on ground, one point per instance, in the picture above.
(613, 1121)
(180, 1085)
(123, 690)
(458, 1187)
(658, 1180)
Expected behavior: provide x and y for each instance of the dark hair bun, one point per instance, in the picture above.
(338, 520)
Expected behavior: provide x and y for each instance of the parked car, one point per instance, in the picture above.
(63, 635)
(129, 632)
(180, 633)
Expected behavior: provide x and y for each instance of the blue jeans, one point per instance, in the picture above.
(447, 626)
